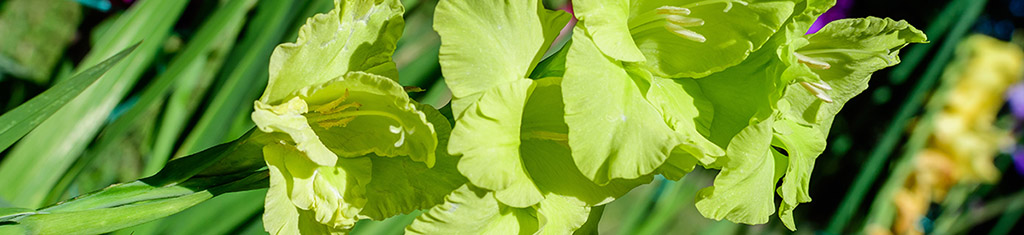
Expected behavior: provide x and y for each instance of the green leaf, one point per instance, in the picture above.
(6, 214)
(731, 31)
(19, 121)
(614, 132)
(505, 42)
(470, 210)
(358, 35)
(247, 61)
(132, 203)
(34, 166)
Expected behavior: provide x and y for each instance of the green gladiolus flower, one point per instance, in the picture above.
(670, 35)
(510, 129)
(352, 144)
(759, 112)
(791, 92)
(622, 102)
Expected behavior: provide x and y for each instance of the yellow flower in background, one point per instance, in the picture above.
(965, 141)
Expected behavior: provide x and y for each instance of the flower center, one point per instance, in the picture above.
(329, 117)
(338, 113)
(677, 19)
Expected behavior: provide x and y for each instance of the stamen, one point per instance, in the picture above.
(821, 85)
(728, 3)
(685, 33)
(676, 22)
(811, 62)
(329, 107)
(328, 124)
(817, 92)
(401, 140)
(684, 21)
(672, 10)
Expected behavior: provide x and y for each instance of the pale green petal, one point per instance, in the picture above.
(351, 116)
(491, 43)
(743, 98)
(332, 195)
(689, 113)
(803, 144)
(855, 48)
(487, 137)
(400, 186)
(546, 153)
(738, 93)
(731, 33)
(614, 131)
(743, 192)
(543, 115)
(561, 215)
(608, 24)
(553, 170)
(340, 192)
(470, 210)
(358, 35)
(679, 163)
(287, 118)
(812, 9)
(280, 215)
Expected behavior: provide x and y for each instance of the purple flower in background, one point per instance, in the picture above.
(1015, 98)
(839, 11)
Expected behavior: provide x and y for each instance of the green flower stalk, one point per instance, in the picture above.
(352, 144)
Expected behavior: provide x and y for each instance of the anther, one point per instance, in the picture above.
(816, 91)
(329, 107)
(685, 33)
(684, 21)
(327, 124)
(676, 22)
(671, 10)
(811, 62)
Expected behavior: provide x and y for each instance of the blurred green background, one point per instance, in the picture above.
(191, 82)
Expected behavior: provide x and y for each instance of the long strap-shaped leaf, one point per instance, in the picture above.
(230, 167)
(24, 118)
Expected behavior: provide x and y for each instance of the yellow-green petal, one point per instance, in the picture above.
(614, 132)
(358, 35)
